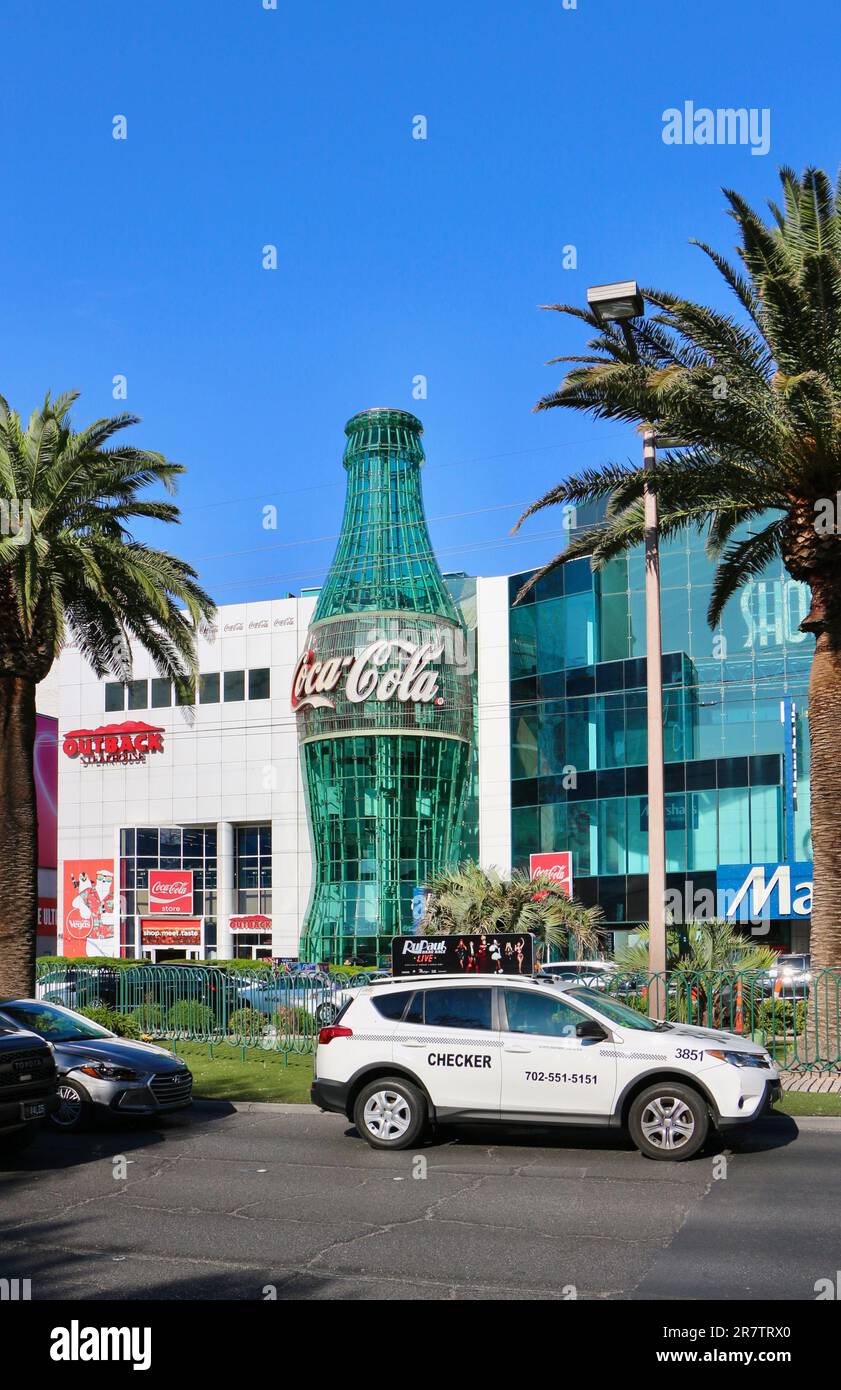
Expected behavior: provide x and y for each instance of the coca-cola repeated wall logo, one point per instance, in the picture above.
(410, 680)
(170, 892)
(130, 742)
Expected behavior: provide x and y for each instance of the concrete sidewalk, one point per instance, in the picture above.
(823, 1082)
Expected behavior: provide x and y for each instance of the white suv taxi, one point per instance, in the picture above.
(420, 1052)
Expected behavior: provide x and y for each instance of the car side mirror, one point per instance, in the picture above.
(590, 1028)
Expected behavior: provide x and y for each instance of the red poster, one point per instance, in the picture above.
(170, 892)
(154, 932)
(556, 866)
(91, 908)
(47, 920)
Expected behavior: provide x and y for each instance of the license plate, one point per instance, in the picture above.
(34, 1109)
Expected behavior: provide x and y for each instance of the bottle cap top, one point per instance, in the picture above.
(383, 415)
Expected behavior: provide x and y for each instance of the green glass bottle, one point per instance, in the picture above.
(383, 701)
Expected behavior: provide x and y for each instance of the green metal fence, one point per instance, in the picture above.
(797, 1018)
(276, 1010)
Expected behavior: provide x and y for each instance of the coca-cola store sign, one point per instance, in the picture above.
(170, 892)
(387, 669)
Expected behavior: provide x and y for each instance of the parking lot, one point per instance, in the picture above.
(285, 1202)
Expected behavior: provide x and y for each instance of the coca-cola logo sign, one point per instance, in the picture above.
(130, 742)
(556, 867)
(367, 675)
(170, 891)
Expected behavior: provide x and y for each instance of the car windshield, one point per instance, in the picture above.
(52, 1022)
(616, 1012)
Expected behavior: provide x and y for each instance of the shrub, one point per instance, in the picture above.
(149, 1018)
(191, 1016)
(124, 1025)
(294, 1019)
(780, 1017)
(248, 1023)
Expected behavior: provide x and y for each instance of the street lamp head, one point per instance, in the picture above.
(617, 302)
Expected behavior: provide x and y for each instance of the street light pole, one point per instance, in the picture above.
(654, 703)
(617, 303)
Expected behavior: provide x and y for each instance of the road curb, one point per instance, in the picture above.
(828, 1124)
(258, 1107)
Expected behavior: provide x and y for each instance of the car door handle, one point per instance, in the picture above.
(518, 1049)
(410, 1043)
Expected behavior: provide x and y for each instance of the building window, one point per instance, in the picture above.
(234, 685)
(115, 696)
(161, 693)
(209, 689)
(258, 684)
(169, 847)
(254, 869)
(138, 694)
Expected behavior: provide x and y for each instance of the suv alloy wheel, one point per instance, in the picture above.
(390, 1113)
(668, 1121)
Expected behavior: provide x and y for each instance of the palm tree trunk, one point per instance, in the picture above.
(825, 738)
(18, 837)
(823, 1023)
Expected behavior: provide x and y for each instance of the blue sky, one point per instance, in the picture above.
(396, 257)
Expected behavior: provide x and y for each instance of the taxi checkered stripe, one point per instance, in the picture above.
(633, 1056)
(433, 1042)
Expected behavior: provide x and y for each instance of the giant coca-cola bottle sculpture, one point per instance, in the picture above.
(383, 702)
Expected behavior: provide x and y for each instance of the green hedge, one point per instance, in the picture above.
(191, 1016)
(295, 1020)
(780, 1017)
(122, 1024)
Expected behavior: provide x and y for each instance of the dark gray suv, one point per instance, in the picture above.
(27, 1086)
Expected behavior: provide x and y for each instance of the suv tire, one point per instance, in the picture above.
(390, 1113)
(668, 1121)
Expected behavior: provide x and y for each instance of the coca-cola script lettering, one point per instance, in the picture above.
(365, 679)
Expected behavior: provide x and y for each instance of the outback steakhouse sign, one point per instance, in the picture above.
(255, 922)
(114, 743)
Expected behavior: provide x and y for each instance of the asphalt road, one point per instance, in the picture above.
(225, 1203)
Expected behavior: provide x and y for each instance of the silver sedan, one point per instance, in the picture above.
(98, 1071)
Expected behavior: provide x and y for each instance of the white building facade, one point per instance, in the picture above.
(182, 815)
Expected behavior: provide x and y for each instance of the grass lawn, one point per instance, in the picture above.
(262, 1076)
(808, 1103)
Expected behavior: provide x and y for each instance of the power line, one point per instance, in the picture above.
(427, 468)
(358, 531)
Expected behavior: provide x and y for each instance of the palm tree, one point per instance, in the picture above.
(472, 899)
(707, 962)
(71, 569)
(709, 947)
(755, 396)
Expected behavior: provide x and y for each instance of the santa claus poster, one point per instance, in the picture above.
(91, 908)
